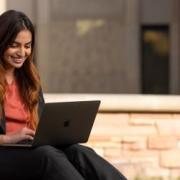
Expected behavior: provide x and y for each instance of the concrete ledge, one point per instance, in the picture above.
(124, 102)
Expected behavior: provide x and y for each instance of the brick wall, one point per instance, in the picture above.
(140, 145)
(143, 146)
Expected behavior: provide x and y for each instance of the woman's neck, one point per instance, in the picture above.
(10, 76)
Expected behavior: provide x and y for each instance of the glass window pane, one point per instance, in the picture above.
(155, 59)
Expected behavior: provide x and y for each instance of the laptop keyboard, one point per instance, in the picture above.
(27, 141)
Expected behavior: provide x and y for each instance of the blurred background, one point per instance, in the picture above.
(116, 51)
(117, 46)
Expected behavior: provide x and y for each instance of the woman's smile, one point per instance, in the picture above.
(18, 60)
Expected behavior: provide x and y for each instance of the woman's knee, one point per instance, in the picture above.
(78, 150)
(44, 150)
(47, 152)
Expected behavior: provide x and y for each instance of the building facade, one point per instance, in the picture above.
(106, 46)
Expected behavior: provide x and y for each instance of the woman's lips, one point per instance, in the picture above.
(18, 60)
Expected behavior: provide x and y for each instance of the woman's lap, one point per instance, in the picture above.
(44, 162)
(50, 163)
(18, 163)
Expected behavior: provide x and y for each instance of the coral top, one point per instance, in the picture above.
(15, 112)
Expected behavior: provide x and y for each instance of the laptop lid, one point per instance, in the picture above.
(65, 123)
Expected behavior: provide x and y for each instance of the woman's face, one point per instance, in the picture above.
(18, 51)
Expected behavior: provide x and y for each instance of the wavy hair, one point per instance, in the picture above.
(11, 23)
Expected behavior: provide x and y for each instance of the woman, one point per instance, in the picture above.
(21, 103)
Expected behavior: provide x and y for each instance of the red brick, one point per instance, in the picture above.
(175, 173)
(162, 142)
(147, 119)
(96, 138)
(123, 131)
(134, 143)
(169, 127)
(170, 159)
(115, 119)
(132, 139)
(133, 146)
(112, 152)
(151, 170)
(104, 144)
(143, 154)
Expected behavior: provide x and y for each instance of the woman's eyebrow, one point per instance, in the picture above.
(30, 42)
(16, 42)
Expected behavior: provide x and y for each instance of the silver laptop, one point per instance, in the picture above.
(64, 123)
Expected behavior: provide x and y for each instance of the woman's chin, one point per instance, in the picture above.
(18, 65)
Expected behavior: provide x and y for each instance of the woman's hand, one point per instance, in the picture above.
(15, 137)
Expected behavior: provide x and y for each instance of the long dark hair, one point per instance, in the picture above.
(11, 23)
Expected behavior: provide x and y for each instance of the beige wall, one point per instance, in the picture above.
(27, 6)
(94, 46)
(88, 48)
(156, 11)
(141, 145)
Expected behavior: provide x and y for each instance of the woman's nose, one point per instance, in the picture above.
(21, 52)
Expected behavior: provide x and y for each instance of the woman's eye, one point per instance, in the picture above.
(28, 46)
(13, 45)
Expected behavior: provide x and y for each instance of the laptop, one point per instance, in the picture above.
(64, 123)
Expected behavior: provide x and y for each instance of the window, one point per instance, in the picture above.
(155, 43)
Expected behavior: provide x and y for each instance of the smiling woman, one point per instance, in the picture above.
(22, 102)
(16, 55)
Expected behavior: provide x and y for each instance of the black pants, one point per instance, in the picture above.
(74, 162)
